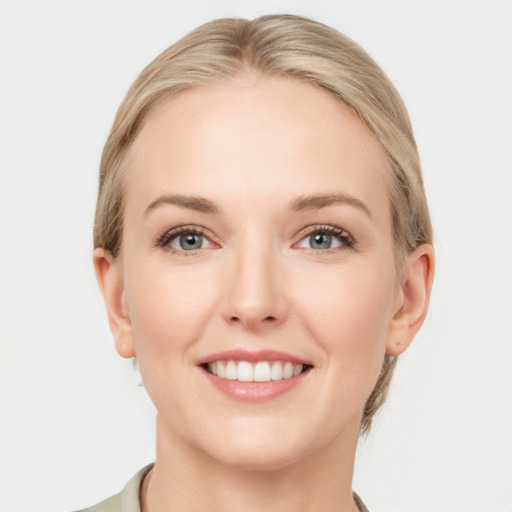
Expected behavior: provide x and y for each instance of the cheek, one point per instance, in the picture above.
(169, 311)
(348, 313)
(168, 308)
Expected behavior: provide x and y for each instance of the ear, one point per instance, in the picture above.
(415, 295)
(110, 280)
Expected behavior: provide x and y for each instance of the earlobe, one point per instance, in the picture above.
(110, 280)
(415, 290)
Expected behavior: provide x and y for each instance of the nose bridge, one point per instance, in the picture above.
(255, 295)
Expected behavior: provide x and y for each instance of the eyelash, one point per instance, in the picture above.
(347, 241)
(165, 240)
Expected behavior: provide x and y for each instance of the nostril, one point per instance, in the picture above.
(268, 319)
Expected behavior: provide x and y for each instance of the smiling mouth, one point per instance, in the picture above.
(261, 371)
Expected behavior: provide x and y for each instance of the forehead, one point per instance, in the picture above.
(256, 139)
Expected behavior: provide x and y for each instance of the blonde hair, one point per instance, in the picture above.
(277, 45)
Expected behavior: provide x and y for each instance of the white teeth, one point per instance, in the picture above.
(231, 371)
(213, 368)
(262, 371)
(245, 372)
(221, 370)
(277, 371)
(288, 370)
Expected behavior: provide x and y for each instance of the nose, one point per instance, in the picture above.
(255, 295)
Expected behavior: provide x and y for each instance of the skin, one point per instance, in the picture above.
(252, 147)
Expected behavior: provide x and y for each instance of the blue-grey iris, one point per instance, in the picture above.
(320, 241)
(191, 241)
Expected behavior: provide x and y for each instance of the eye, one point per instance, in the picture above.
(184, 239)
(325, 238)
(189, 242)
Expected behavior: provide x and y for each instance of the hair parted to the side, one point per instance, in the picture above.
(276, 45)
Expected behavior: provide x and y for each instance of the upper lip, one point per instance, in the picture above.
(253, 356)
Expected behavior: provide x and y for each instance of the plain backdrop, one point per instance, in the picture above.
(74, 426)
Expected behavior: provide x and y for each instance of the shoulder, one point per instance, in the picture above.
(359, 502)
(127, 500)
(112, 504)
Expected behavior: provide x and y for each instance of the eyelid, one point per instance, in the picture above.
(345, 237)
(347, 240)
(164, 240)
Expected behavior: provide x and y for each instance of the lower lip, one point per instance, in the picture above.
(255, 391)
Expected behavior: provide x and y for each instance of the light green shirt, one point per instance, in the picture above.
(128, 499)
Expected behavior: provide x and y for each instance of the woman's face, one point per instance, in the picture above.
(257, 232)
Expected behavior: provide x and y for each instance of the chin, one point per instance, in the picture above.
(256, 458)
(257, 450)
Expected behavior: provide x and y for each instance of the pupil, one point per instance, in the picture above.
(321, 241)
(190, 241)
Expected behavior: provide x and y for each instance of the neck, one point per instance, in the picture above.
(185, 478)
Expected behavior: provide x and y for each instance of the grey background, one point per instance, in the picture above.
(73, 425)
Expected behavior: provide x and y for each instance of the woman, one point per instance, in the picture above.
(264, 249)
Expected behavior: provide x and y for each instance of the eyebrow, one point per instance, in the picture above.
(198, 204)
(315, 202)
(301, 203)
